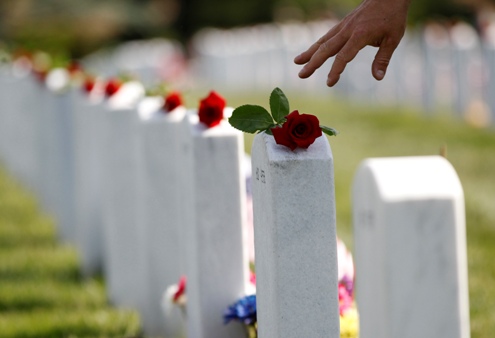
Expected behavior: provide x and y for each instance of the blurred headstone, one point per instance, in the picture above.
(216, 261)
(410, 249)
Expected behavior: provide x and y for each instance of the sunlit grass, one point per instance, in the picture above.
(41, 291)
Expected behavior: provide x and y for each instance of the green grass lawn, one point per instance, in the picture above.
(41, 291)
(43, 295)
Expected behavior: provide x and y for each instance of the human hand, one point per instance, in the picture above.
(378, 23)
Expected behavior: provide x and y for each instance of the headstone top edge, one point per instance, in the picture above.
(319, 150)
(150, 110)
(200, 130)
(411, 177)
(128, 95)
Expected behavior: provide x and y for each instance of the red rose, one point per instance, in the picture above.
(211, 109)
(181, 288)
(40, 74)
(300, 130)
(74, 67)
(112, 86)
(89, 84)
(172, 101)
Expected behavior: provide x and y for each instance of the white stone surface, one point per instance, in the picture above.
(88, 142)
(124, 254)
(295, 240)
(18, 129)
(216, 262)
(28, 131)
(55, 160)
(410, 249)
(163, 211)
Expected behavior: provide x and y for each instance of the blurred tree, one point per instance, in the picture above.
(195, 14)
(81, 26)
(314, 9)
(423, 10)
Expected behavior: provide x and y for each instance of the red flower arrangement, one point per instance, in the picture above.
(211, 109)
(172, 101)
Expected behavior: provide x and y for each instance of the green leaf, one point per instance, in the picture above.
(279, 105)
(329, 131)
(250, 118)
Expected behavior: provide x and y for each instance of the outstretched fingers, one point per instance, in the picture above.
(342, 58)
(305, 56)
(325, 51)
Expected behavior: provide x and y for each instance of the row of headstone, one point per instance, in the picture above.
(151, 61)
(154, 196)
(145, 196)
(435, 66)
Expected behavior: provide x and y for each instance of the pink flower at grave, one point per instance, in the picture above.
(252, 278)
(211, 109)
(345, 300)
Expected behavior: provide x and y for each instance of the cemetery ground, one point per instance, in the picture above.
(43, 295)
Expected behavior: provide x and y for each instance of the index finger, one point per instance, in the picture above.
(324, 52)
(305, 56)
(342, 58)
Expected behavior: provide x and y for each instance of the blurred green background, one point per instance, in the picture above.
(78, 27)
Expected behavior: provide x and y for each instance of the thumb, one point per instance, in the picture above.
(382, 58)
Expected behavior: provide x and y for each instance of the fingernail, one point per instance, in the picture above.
(380, 73)
(302, 72)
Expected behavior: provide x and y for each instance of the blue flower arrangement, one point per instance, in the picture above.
(244, 310)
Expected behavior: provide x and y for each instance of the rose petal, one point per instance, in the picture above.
(211, 109)
(303, 129)
(282, 137)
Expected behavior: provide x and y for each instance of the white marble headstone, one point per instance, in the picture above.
(295, 240)
(55, 160)
(19, 113)
(124, 258)
(216, 261)
(88, 143)
(163, 210)
(410, 249)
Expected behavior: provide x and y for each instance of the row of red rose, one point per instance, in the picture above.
(297, 131)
